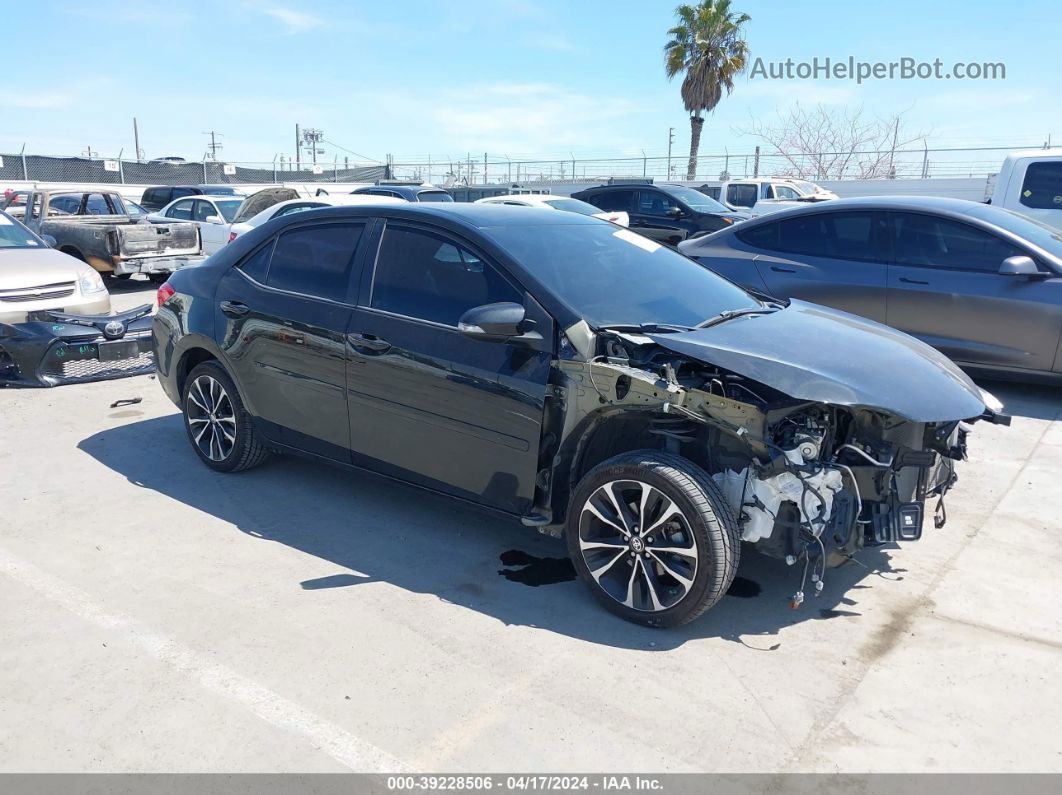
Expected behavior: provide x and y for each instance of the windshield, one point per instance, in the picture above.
(15, 235)
(1039, 234)
(573, 206)
(805, 188)
(434, 196)
(611, 276)
(229, 207)
(694, 199)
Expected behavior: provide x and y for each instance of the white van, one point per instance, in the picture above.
(760, 195)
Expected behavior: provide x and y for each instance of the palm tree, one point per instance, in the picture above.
(707, 46)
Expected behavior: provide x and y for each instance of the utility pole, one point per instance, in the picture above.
(136, 141)
(214, 145)
(670, 141)
(310, 138)
(756, 163)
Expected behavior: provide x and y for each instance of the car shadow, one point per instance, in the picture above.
(1033, 401)
(374, 529)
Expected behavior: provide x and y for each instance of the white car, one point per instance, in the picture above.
(300, 205)
(212, 214)
(550, 202)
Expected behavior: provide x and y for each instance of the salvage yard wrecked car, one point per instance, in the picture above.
(56, 324)
(556, 368)
(93, 227)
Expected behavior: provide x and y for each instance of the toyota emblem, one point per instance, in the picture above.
(114, 329)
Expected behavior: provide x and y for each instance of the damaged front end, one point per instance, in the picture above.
(821, 442)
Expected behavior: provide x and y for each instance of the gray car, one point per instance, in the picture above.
(981, 284)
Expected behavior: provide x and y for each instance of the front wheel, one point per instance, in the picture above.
(219, 427)
(653, 538)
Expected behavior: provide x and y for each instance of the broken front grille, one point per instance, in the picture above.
(89, 369)
(44, 291)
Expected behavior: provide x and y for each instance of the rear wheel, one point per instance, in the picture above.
(653, 538)
(219, 427)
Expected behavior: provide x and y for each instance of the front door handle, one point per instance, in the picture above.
(780, 269)
(234, 308)
(905, 280)
(369, 342)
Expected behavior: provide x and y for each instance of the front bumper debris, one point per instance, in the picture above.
(69, 348)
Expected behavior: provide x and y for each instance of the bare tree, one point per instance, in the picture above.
(822, 143)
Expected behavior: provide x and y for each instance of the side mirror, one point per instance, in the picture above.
(495, 322)
(49, 241)
(674, 212)
(1020, 266)
(213, 219)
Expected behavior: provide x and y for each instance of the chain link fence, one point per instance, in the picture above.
(888, 164)
(40, 168)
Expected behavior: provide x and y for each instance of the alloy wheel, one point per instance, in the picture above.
(638, 545)
(211, 418)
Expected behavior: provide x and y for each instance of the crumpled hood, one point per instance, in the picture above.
(814, 353)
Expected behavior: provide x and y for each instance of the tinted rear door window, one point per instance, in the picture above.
(741, 195)
(315, 260)
(613, 200)
(851, 236)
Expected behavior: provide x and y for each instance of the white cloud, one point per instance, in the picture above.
(294, 21)
(806, 92)
(549, 41)
(16, 99)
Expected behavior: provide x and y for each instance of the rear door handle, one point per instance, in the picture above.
(780, 269)
(368, 342)
(234, 308)
(905, 280)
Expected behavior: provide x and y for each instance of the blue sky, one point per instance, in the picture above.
(520, 78)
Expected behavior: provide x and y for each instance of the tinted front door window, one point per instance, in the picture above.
(421, 275)
(928, 241)
(651, 202)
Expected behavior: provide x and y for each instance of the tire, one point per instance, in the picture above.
(158, 278)
(218, 426)
(119, 277)
(637, 573)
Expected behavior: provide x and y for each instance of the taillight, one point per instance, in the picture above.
(165, 292)
(232, 236)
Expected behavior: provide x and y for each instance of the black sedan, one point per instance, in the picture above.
(556, 368)
(979, 283)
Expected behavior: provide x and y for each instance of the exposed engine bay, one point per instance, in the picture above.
(808, 482)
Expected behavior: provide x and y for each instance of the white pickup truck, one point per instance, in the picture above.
(1029, 183)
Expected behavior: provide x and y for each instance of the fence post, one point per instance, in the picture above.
(25, 173)
(756, 164)
(335, 169)
(204, 173)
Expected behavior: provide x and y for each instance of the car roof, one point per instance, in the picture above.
(533, 198)
(477, 216)
(936, 204)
